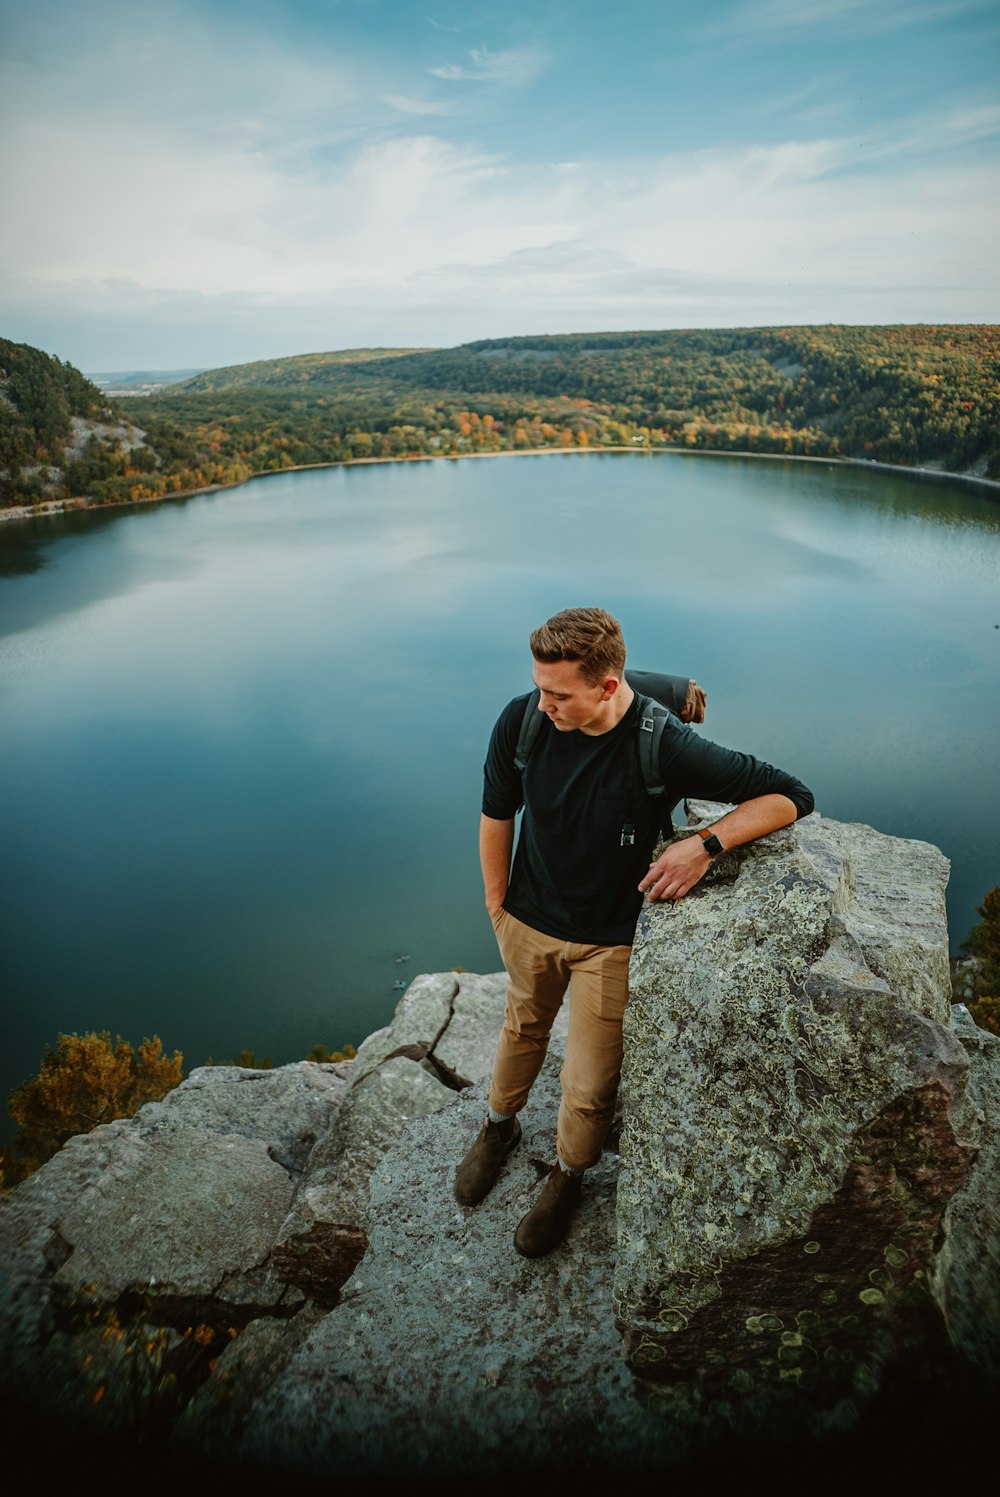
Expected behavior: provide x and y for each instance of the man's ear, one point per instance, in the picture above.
(611, 686)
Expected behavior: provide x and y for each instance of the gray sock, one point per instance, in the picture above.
(497, 1117)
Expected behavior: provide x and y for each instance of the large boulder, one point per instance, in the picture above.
(797, 1121)
(144, 1244)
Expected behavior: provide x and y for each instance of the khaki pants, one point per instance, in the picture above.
(540, 968)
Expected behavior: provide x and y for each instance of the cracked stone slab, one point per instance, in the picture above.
(451, 1355)
(421, 1015)
(289, 1107)
(215, 1418)
(443, 1035)
(468, 1042)
(184, 1199)
(325, 1232)
(194, 1214)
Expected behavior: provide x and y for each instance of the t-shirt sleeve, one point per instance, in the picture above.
(502, 795)
(696, 767)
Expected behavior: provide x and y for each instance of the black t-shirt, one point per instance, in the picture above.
(575, 871)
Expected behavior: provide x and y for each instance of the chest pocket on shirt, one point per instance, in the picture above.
(613, 819)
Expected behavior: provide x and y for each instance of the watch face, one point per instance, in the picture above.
(713, 846)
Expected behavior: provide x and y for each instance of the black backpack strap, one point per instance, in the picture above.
(651, 720)
(531, 724)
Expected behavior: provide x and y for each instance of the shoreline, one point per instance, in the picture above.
(988, 487)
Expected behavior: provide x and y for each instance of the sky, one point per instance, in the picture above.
(205, 182)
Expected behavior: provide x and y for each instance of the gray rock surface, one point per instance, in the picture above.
(167, 1218)
(966, 1280)
(448, 1354)
(267, 1272)
(794, 1131)
(441, 1039)
(449, 1021)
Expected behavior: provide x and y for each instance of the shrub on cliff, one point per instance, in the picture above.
(84, 1081)
(982, 972)
(322, 1056)
(983, 944)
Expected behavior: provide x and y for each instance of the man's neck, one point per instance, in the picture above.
(617, 707)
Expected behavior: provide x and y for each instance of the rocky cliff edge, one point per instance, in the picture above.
(797, 1247)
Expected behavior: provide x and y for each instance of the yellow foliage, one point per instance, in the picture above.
(986, 1013)
(81, 1083)
(320, 1055)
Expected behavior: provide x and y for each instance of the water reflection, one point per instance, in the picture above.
(242, 733)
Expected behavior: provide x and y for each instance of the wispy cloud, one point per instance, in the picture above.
(165, 172)
(180, 72)
(805, 95)
(516, 66)
(938, 131)
(852, 16)
(935, 134)
(411, 222)
(418, 106)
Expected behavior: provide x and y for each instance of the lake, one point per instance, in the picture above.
(242, 733)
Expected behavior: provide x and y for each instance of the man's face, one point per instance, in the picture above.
(569, 699)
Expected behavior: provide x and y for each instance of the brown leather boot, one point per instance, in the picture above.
(547, 1223)
(477, 1174)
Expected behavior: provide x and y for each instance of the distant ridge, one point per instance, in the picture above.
(915, 396)
(303, 368)
(138, 381)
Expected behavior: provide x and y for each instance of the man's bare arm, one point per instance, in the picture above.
(496, 843)
(683, 863)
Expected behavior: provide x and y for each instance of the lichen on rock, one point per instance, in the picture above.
(793, 1121)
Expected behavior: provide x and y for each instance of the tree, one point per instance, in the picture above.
(983, 944)
(81, 1083)
(983, 978)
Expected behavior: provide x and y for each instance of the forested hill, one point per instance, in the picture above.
(58, 433)
(287, 374)
(917, 395)
(924, 396)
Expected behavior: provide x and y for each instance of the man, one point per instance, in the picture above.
(566, 913)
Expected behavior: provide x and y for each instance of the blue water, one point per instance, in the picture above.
(241, 734)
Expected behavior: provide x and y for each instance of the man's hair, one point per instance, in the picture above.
(588, 635)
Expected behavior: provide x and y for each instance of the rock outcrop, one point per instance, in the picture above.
(269, 1270)
(797, 1121)
(151, 1227)
(441, 1041)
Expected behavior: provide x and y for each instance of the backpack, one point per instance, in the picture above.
(654, 712)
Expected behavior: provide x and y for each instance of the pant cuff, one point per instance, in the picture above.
(569, 1169)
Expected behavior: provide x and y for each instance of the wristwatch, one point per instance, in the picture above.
(712, 844)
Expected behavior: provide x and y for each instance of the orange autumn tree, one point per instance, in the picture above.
(84, 1081)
